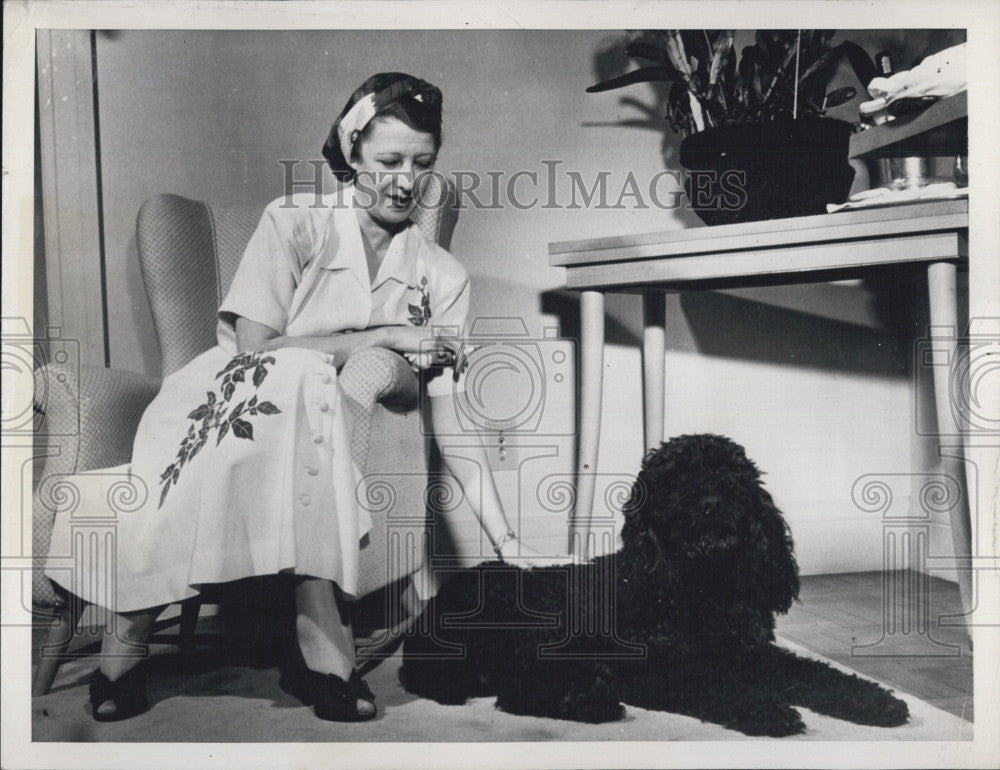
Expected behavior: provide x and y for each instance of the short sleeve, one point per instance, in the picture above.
(452, 314)
(264, 284)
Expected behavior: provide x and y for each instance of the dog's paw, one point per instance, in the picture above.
(774, 720)
(591, 701)
(595, 702)
(875, 707)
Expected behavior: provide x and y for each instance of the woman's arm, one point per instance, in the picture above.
(252, 335)
(472, 472)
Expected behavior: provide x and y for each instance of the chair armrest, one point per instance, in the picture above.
(379, 375)
(86, 418)
(91, 413)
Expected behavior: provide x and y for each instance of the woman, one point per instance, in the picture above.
(234, 438)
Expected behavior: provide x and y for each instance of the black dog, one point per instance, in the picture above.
(681, 619)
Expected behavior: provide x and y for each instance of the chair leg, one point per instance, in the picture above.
(56, 643)
(384, 642)
(190, 609)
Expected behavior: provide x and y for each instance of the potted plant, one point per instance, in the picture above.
(757, 142)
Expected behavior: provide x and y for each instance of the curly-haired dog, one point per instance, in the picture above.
(680, 619)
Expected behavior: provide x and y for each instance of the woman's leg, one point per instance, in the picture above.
(124, 647)
(118, 689)
(323, 629)
(324, 633)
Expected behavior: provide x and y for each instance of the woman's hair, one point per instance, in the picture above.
(417, 113)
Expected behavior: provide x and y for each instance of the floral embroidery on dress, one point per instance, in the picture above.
(420, 314)
(214, 414)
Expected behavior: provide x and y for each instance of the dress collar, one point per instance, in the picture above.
(400, 261)
(347, 250)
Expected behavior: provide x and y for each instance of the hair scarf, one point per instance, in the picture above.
(367, 107)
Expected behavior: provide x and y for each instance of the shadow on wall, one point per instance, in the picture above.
(715, 323)
(620, 327)
(733, 327)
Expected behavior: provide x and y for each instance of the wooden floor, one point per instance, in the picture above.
(913, 646)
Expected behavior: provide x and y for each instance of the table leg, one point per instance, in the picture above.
(591, 391)
(941, 282)
(654, 311)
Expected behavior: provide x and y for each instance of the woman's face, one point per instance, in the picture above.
(390, 158)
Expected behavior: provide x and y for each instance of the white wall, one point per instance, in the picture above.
(813, 379)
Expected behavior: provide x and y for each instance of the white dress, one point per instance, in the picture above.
(241, 465)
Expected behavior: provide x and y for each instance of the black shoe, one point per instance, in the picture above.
(127, 694)
(331, 697)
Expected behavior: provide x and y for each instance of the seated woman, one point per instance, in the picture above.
(235, 438)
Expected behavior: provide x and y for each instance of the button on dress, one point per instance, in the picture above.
(241, 465)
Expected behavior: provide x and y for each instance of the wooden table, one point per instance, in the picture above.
(846, 244)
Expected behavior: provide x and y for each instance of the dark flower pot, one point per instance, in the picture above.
(769, 170)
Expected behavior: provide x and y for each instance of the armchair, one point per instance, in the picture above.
(188, 252)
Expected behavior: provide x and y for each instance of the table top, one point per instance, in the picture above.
(895, 234)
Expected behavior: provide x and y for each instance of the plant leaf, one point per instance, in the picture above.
(240, 375)
(824, 61)
(749, 59)
(642, 50)
(720, 58)
(677, 54)
(642, 75)
(840, 96)
(163, 494)
(266, 407)
(233, 363)
(211, 398)
(242, 429)
(223, 430)
(227, 390)
(861, 62)
(782, 71)
(200, 413)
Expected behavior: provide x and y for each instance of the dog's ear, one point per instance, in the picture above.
(634, 508)
(776, 570)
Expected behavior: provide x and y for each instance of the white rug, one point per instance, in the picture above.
(234, 704)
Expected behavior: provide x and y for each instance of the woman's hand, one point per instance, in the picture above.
(426, 347)
(521, 554)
